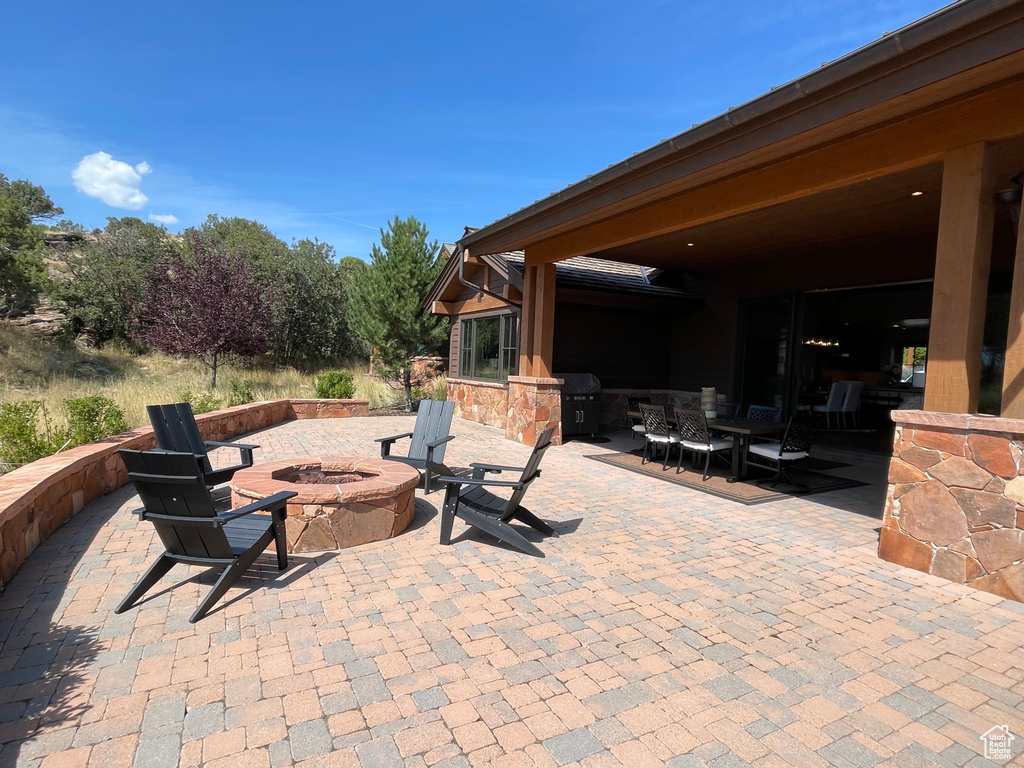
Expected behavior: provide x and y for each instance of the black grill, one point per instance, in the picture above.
(581, 404)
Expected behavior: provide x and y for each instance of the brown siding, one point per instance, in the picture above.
(703, 345)
(623, 348)
(475, 274)
(454, 348)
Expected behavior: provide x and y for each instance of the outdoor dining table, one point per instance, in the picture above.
(739, 429)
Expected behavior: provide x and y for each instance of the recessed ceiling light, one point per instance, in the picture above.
(916, 194)
(690, 244)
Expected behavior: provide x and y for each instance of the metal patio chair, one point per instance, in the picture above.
(468, 499)
(429, 438)
(636, 425)
(794, 446)
(176, 500)
(696, 437)
(657, 432)
(176, 430)
(764, 413)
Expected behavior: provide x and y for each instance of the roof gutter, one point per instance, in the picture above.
(890, 46)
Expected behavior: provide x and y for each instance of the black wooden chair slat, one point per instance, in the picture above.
(427, 443)
(190, 529)
(469, 500)
(175, 428)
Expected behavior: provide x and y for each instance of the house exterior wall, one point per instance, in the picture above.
(623, 348)
(485, 402)
(955, 503)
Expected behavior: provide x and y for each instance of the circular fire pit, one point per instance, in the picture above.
(342, 501)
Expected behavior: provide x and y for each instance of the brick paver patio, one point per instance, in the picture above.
(664, 627)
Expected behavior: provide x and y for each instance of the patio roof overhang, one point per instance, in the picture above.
(824, 164)
(820, 143)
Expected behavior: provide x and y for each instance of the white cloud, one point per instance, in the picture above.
(113, 181)
(163, 218)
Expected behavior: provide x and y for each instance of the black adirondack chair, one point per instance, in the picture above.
(430, 437)
(176, 500)
(482, 509)
(176, 430)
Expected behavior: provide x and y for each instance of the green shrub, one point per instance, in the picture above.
(241, 392)
(440, 388)
(335, 385)
(27, 433)
(93, 418)
(20, 440)
(418, 393)
(201, 402)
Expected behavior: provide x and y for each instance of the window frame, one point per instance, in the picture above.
(468, 346)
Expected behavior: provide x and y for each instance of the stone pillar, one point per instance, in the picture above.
(534, 404)
(955, 505)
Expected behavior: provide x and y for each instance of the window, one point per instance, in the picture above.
(914, 361)
(488, 348)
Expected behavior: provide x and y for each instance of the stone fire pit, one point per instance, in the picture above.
(342, 500)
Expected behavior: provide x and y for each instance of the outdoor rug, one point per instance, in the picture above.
(746, 492)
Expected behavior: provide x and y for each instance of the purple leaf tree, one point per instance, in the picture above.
(205, 304)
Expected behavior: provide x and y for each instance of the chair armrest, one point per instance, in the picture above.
(495, 467)
(278, 499)
(240, 446)
(472, 481)
(392, 438)
(386, 442)
(435, 443)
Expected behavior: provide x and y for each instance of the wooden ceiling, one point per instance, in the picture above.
(864, 212)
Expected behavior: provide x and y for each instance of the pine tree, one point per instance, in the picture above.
(386, 299)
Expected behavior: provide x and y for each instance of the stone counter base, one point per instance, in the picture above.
(955, 504)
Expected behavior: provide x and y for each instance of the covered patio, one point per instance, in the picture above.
(857, 218)
(663, 627)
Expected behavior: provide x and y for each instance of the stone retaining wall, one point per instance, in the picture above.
(955, 506)
(524, 406)
(37, 498)
(485, 402)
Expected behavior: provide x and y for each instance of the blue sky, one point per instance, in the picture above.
(325, 119)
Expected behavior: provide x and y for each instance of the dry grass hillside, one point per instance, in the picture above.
(35, 368)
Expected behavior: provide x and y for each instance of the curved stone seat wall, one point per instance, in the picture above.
(955, 506)
(37, 498)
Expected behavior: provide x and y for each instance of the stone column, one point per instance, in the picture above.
(955, 506)
(534, 404)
